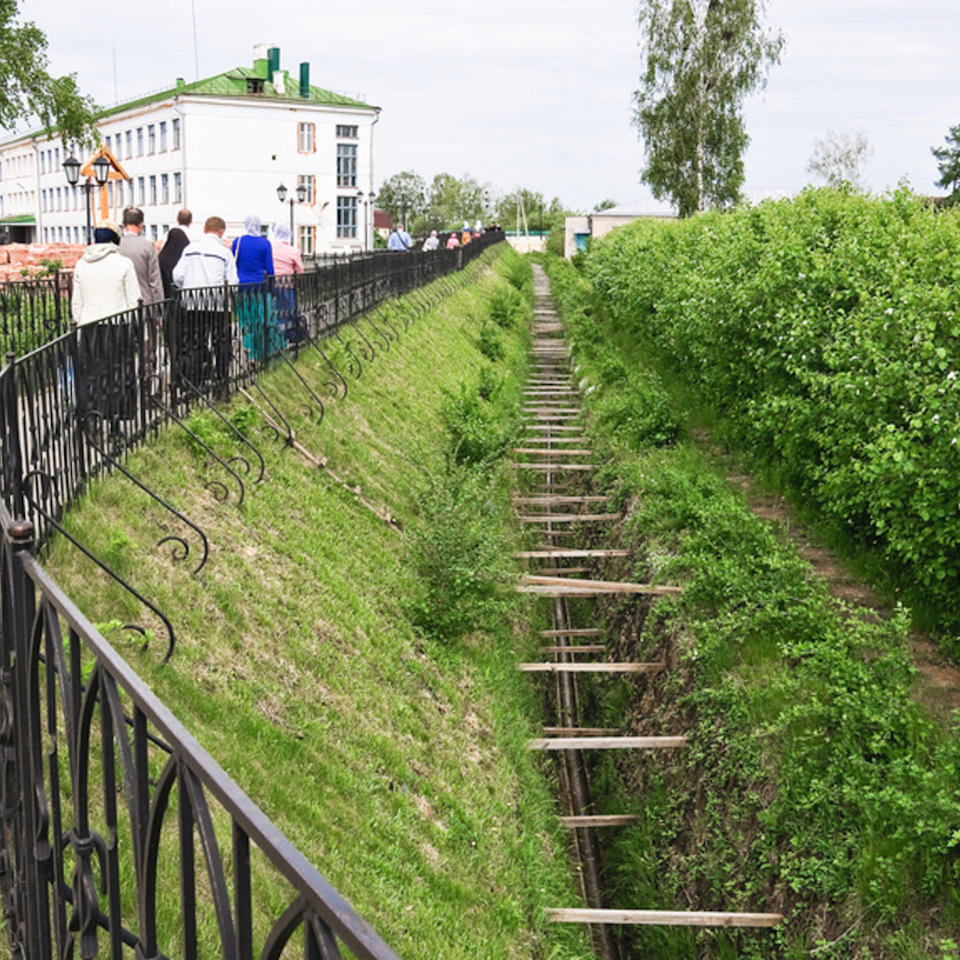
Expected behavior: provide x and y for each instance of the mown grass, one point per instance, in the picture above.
(393, 758)
(812, 784)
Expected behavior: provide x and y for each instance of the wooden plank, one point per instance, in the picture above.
(609, 585)
(564, 554)
(546, 499)
(557, 571)
(572, 632)
(547, 452)
(664, 918)
(600, 820)
(548, 467)
(553, 667)
(607, 743)
(558, 590)
(551, 428)
(576, 648)
(570, 518)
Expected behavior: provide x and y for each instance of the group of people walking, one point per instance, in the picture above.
(400, 240)
(120, 271)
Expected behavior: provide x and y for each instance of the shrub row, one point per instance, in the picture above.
(824, 331)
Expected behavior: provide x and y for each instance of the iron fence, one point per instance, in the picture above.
(105, 799)
(33, 312)
(119, 832)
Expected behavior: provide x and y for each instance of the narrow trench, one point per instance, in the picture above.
(554, 433)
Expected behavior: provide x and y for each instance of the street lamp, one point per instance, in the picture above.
(301, 198)
(101, 172)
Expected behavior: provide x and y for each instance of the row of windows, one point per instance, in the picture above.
(307, 135)
(162, 188)
(79, 235)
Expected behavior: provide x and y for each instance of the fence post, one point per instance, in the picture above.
(29, 862)
(12, 491)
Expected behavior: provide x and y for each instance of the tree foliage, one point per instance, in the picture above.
(27, 89)
(703, 57)
(404, 197)
(839, 158)
(452, 200)
(948, 163)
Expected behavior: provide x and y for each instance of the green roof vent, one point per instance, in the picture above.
(305, 81)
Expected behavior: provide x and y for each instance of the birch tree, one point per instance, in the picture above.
(840, 158)
(701, 60)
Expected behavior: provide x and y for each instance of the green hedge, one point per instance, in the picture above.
(824, 331)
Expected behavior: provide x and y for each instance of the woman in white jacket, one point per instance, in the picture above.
(104, 285)
(104, 280)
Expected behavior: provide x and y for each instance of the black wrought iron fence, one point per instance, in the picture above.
(32, 312)
(105, 799)
(119, 835)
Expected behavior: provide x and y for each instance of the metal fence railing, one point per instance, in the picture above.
(32, 312)
(106, 802)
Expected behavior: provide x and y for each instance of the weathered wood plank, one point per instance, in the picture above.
(575, 648)
(664, 918)
(655, 667)
(607, 743)
(547, 499)
(572, 632)
(570, 518)
(571, 554)
(607, 585)
(547, 467)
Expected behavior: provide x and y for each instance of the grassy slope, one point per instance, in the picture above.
(396, 766)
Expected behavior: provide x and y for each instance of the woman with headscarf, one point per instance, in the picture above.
(287, 262)
(254, 257)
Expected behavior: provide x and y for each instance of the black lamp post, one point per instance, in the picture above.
(101, 172)
(301, 198)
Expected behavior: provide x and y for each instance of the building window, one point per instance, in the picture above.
(177, 189)
(310, 182)
(109, 195)
(109, 143)
(306, 236)
(163, 136)
(346, 164)
(151, 139)
(153, 231)
(348, 131)
(175, 130)
(153, 189)
(306, 137)
(59, 199)
(139, 141)
(129, 140)
(346, 216)
(141, 191)
(164, 188)
(56, 162)
(60, 234)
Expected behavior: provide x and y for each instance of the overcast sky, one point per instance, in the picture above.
(537, 93)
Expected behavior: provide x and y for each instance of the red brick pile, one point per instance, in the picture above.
(17, 257)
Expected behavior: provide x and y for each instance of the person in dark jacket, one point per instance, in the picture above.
(173, 248)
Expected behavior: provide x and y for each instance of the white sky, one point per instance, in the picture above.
(537, 93)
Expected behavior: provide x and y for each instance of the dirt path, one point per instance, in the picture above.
(937, 683)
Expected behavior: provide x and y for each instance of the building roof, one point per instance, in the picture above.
(646, 207)
(236, 83)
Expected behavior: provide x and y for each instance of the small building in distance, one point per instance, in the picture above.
(578, 230)
(220, 146)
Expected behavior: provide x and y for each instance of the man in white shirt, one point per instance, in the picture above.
(202, 346)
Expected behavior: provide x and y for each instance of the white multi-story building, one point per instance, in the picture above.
(220, 146)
